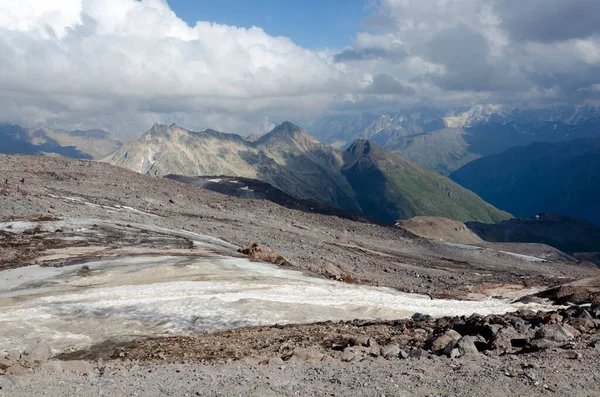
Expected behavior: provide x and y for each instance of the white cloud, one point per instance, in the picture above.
(124, 64)
(73, 62)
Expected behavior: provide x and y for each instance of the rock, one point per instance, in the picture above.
(554, 332)
(421, 317)
(553, 319)
(275, 361)
(519, 325)
(542, 344)
(490, 330)
(417, 354)
(349, 355)
(360, 340)
(403, 354)
(595, 344)
(454, 353)
(594, 310)
(266, 254)
(466, 344)
(583, 325)
(308, 354)
(373, 346)
(37, 352)
(390, 351)
(442, 342)
(584, 314)
(503, 341)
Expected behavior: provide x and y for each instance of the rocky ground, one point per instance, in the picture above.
(525, 353)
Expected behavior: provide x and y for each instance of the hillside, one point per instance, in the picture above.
(560, 177)
(372, 182)
(90, 144)
(390, 187)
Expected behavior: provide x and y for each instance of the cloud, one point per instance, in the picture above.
(384, 84)
(125, 64)
(497, 51)
(69, 62)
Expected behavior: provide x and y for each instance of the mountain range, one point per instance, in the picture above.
(89, 144)
(364, 178)
(446, 140)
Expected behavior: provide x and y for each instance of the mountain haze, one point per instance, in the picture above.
(89, 144)
(363, 178)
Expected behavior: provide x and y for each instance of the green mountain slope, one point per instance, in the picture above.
(390, 187)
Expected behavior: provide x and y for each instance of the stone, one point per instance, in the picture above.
(417, 353)
(308, 354)
(466, 344)
(275, 361)
(583, 325)
(37, 352)
(349, 355)
(584, 314)
(554, 332)
(421, 317)
(390, 351)
(454, 353)
(442, 342)
(542, 344)
(594, 310)
(403, 354)
(553, 318)
(519, 324)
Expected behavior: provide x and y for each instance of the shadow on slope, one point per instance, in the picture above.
(253, 189)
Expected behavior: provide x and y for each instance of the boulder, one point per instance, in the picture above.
(308, 354)
(390, 351)
(520, 325)
(350, 354)
(417, 353)
(421, 317)
(442, 342)
(466, 344)
(554, 332)
(583, 325)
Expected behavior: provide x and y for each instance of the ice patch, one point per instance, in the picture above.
(128, 298)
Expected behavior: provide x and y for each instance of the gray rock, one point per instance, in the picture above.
(554, 332)
(275, 360)
(454, 353)
(519, 324)
(466, 344)
(542, 344)
(442, 342)
(403, 354)
(307, 354)
(421, 317)
(38, 351)
(390, 351)
(417, 353)
(349, 355)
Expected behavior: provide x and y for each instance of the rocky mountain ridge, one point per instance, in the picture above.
(363, 178)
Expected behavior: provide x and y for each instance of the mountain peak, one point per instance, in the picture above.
(286, 128)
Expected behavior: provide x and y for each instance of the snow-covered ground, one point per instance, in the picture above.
(123, 299)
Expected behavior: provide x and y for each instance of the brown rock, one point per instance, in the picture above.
(442, 342)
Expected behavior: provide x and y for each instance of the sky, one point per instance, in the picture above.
(312, 24)
(122, 65)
